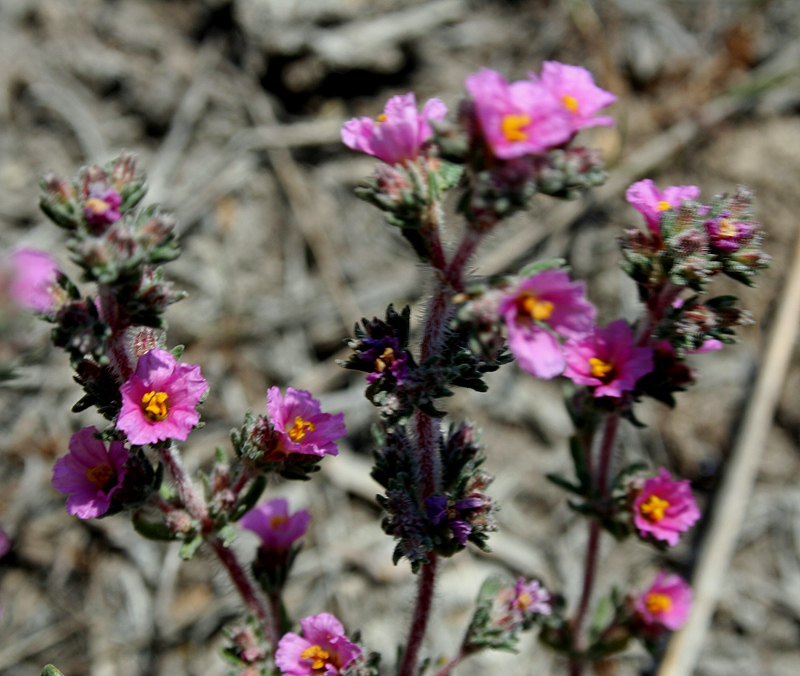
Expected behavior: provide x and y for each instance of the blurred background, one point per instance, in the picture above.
(234, 109)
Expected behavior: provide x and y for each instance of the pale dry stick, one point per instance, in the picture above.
(737, 484)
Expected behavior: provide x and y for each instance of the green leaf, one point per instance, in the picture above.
(561, 482)
(579, 460)
(539, 266)
(249, 499)
(227, 534)
(151, 530)
(189, 547)
(50, 670)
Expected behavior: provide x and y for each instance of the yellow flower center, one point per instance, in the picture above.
(318, 656)
(658, 603)
(511, 127)
(381, 118)
(663, 206)
(523, 601)
(154, 405)
(102, 476)
(96, 205)
(653, 508)
(385, 360)
(278, 521)
(600, 369)
(570, 103)
(300, 429)
(535, 308)
(727, 228)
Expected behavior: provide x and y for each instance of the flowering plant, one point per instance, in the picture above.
(507, 142)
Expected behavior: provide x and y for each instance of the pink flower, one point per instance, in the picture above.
(521, 118)
(649, 201)
(666, 604)
(275, 526)
(102, 206)
(574, 87)
(531, 598)
(665, 508)
(301, 426)
(159, 400)
(398, 133)
(90, 472)
(607, 360)
(729, 234)
(544, 303)
(33, 276)
(322, 650)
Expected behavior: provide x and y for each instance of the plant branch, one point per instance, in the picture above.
(419, 622)
(196, 506)
(593, 545)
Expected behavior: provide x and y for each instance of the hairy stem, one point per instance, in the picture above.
(449, 277)
(419, 622)
(247, 590)
(452, 664)
(196, 506)
(593, 545)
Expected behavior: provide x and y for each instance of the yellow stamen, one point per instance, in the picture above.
(96, 205)
(381, 118)
(537, 309)
(154, 406)
(385, 360)
(318, 655)
(102, 476)
(658, 603)
(663, 206)
(278, 521)
(570, 102)
(523, 601)
(511, 127)
(300, 429)
(600, 368)
(653, 509)
(727, 228)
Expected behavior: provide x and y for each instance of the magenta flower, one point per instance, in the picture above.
(666, 604)
(323, 650)
(521, 118)
(531, 598)
(649, 201)
(159, 400)
(728, 234)
(275, 526)
(574, 87)
(542, 304)
(398, 133)
(608, 360)
(33, 276)
(300, 425)
(91, 472)
(665, 508)
(101, 208)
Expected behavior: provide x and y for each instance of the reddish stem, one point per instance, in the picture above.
(419, 623)
(466, 248)
(247, 590)
(196, 506)
(452, 664)
(593, 545)
(116, 345)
